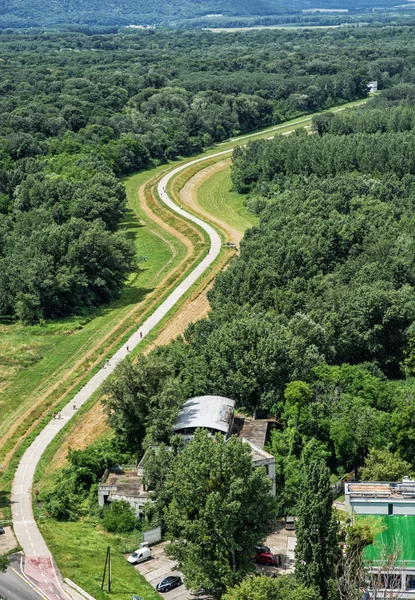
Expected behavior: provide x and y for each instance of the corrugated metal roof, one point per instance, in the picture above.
(210, 412)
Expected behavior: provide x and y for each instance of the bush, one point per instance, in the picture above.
(119, 517)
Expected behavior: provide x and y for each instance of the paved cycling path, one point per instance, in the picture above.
(39, 566)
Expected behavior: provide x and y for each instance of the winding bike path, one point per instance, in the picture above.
(39, 566)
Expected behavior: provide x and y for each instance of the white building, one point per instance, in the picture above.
(373, 86)
(216, 414)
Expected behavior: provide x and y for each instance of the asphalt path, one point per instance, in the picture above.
(15, 586)
(39, 564)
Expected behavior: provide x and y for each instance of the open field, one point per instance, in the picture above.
(69, 351)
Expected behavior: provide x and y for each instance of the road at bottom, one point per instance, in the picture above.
(14, 586)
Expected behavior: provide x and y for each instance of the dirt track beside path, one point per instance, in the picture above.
(188, 195)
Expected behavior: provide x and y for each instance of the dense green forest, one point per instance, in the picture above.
(77, 112)
(23, 13)
(313, 321)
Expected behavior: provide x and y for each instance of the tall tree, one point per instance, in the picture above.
(316, 551)
(220, 509)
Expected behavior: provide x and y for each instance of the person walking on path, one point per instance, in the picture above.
(74, 405)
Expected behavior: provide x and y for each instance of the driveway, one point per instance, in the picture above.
(281, 541)
(7, 541)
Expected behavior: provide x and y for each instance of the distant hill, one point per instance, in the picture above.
(33, 13)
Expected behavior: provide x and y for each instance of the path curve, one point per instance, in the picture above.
(39, 566)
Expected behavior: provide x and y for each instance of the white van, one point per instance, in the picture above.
(139, 556)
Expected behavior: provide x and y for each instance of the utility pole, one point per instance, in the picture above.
(107, 564)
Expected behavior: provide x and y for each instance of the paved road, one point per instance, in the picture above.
(15, 586)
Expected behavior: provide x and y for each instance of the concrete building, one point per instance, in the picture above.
(123, 484)
(380, 498)
(390, 560)
(261, 458)
(214, 413)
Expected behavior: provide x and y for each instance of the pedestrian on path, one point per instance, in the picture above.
(54, 415)
(141, 334)
(74, 405)
(59, 416)
(128, 349)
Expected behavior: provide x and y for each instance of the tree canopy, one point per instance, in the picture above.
(220, 510)
(267, 588)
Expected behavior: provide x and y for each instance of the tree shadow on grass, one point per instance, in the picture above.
(4, 499)
(130, 224)
(129, 295)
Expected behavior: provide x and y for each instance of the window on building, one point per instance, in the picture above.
(391, 582)
(390, 509)
(410, 582)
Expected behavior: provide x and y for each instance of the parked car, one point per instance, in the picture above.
(262, 549)
(169, 583)
(139, 556)
(289, 522)
(2, 530)
(266, 558)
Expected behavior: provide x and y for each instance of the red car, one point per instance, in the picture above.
(266, 559)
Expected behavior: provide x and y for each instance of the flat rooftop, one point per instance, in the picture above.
(403, 490)
(127, 483)
(398, 536)
(255, 431)
(209, 412)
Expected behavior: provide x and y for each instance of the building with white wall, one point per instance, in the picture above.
(216, 415)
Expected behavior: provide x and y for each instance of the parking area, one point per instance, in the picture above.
(159, 567)
(281, 542)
